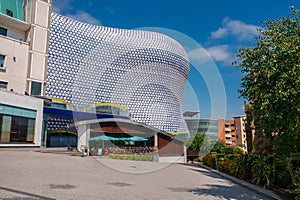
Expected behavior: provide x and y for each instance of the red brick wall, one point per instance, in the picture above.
(169, 147)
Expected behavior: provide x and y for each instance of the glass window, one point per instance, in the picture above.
(15, 129)
(3, 31)
(115, 111)
(9, 13)
(3, 85)
(36, 88)
(104, 110)
(2, 58)
(58, 105)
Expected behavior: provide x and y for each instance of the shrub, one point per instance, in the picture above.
(238, 150)
(135, 157)
(198, 159)
(294, 169)
(209, 161)
(228, 150)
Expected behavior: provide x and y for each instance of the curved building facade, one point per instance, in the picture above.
(145, 72)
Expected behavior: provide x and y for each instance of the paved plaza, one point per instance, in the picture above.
(37, 174)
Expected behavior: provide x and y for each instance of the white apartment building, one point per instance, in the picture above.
(24, 34)
(241, 131)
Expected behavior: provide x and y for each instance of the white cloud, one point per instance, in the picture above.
(221, 32)
(60, 6)
(218, 53)
(237, 28)
(65, 8)
(85, 17)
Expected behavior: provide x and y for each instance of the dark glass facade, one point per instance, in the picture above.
(203, 126)
(17, 125)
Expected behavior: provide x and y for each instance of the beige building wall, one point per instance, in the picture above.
(241, 131)
(38, 49)
(26, 48)
(22, 101)
(16, 53)
(14, 70)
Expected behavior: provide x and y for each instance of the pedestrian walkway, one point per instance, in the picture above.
(32, 174)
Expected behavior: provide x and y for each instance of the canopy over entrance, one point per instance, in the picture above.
(109, 138)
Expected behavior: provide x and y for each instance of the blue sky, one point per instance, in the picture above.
(220, 27)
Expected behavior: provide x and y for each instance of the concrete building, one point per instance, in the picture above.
(240, 126)
(24, 33)
(21, 120)
(227, 132)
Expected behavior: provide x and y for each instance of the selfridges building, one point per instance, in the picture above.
(142, 71)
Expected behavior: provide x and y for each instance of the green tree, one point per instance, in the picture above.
(219, 147)
(272, 80)
(195, 143)
(204, 144)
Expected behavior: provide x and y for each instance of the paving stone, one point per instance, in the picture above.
(32, 174)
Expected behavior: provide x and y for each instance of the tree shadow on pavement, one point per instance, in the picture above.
(225, 192)
(207, 173)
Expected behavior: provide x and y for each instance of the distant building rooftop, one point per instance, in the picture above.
(190, 113)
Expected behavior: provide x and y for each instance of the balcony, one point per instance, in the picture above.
(228, 129)
(14, 23)
(228, 142)
(227, 123)
(227, 135)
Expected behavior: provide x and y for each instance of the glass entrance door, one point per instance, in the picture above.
(18, 130)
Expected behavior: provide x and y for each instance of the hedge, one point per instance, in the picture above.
(269, 171)
(136, 157)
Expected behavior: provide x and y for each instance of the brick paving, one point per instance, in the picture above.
(32, 174)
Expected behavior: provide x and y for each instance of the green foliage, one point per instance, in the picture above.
(219, 147)
(238, 150)
(271, 79)
(209, 161)
(228, 150)
(294, 169)
(198, 160)
(271, 171)
(213, 154)
(261, 172)
(195, 143)
(203, 144)
(131, 157)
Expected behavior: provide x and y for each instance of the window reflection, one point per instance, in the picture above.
(15, 129)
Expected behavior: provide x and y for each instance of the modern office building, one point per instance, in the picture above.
(203, 126)
(231, 132)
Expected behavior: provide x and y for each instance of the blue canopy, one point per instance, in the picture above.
(137, 138)
(109, 138)
(103, 137)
